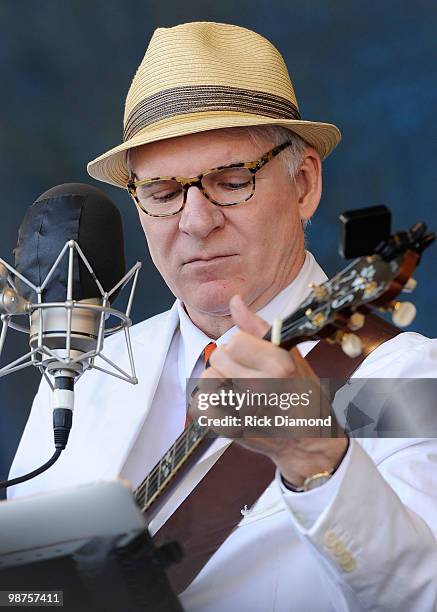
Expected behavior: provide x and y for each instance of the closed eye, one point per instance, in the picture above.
(166, 197)
(234, 186)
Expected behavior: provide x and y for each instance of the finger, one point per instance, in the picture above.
(245, 319)
(258, 355)
(239, 363)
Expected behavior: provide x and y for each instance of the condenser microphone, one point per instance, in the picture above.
(69, 268)
(86, 215)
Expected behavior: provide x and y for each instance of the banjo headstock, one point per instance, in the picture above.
(338, 307)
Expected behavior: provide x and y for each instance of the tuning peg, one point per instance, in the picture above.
(418, 230)
(403, 313)
(351, 345)
(356, 321)
(410, 285)
(426, 241)
(320, 293)
(370, 289)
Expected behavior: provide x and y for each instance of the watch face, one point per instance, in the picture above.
(317, 481)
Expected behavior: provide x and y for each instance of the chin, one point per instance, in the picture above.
(212, 297)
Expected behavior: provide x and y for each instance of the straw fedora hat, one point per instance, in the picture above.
(205, 76)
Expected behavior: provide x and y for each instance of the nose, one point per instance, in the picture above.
(200, 217)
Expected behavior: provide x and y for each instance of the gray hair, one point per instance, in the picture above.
(275, 135)
(291, 157)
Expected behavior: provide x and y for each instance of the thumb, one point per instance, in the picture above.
(246, 320)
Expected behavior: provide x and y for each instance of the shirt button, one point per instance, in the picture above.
(330, 539)
(344, 557)
(349, 566)
(339, 548)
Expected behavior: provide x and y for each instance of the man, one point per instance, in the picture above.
(230, 243)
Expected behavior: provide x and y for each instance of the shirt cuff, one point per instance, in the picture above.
(306, 507)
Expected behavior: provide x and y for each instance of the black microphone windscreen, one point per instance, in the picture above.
(72, 211)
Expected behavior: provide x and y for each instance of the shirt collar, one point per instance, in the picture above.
(193, 340)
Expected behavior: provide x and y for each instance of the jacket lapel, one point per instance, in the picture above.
(112, 412)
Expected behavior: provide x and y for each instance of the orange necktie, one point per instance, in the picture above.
(207, 352)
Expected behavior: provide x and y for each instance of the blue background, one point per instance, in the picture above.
(368, 67)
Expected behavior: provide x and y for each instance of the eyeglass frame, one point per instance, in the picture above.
(196, 181)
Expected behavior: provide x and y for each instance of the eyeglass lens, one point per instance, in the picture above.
(226, 186)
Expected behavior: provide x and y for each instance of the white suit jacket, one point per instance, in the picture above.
(372, 547)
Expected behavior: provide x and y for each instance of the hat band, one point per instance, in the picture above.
(203, 98)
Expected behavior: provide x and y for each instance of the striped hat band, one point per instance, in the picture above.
(199, 98)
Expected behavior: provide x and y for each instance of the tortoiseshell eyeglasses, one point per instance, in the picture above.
(165, 196)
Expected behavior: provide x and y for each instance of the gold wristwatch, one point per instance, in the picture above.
(312, 482)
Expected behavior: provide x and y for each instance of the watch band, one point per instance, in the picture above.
(316, 480)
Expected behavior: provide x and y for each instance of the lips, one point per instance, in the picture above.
(211, 258)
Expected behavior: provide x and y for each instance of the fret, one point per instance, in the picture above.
(159, 472)
(173, 463)
(186, 444)
(167, 465)
(153, 488)
(180, 447)
(146, 490)
(138, 497)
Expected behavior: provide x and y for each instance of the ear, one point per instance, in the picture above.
(309, 184)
